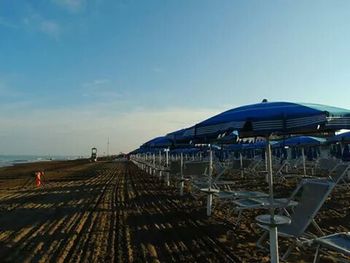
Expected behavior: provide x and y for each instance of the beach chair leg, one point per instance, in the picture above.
(317, 255)
(346, 183)
(260, 241)
(319, 230)
(209, 204)
(289, 250)
(181, 188)
(167, 179)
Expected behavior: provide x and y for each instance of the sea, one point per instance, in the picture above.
(9, 160)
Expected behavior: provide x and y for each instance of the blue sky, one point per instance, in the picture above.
(75, 72)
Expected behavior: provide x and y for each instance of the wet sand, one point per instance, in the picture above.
(114, 212)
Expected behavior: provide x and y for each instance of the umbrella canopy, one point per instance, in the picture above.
(181, 136)
(159, 142)
(343, 137)
(227, 138)
(256, 145)
(300, 141)
(144, 150)
(266, 118)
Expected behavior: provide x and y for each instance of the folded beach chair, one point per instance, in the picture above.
(339, 242)
(217, 181)
(281, 171)
(338, 174)
(295, 166)
(196, 173)
(254, 166)
(326, 165)
(240, 198)
(310, 195)
(174, 168)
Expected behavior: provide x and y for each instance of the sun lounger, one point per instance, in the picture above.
(338, 174)
(281, 172)
(326, 165)
(339, 242)
(254, 166)
(234, 195)
(310, 195)
(195, 169)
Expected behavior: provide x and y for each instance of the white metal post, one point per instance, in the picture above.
(273, 228)
(267, 156)
(304, 161)
(241, 164)
(160, 164)
(154, 164)
(167, 166)
(181, 175)
(210, 195)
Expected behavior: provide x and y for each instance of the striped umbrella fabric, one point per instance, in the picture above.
(266, 118)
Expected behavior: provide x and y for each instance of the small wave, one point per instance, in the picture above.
(20, 161)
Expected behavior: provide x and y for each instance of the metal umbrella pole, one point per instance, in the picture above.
(304, 161)
(181, 174)
(154, 164)
(160, 164)
(271, 220)
(167, 166)
(241, 164)
(273, 228)
(210, 174)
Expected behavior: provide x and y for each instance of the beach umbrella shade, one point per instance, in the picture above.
(297, 141)
(227, 138)
(182, 136)
(274, 118)
(159, 142)
(343, 137)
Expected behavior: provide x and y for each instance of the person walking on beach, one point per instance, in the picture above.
(38, 178)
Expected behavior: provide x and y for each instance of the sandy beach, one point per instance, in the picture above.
(114, 212)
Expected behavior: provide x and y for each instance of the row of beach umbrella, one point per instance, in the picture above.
(271, 121)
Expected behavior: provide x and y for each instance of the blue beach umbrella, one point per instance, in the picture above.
(181, 136)
(227, 138)
(274, 118)
(192, 150)
(160, 142)
(300, 141)
(266, 118)
(343, 137)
